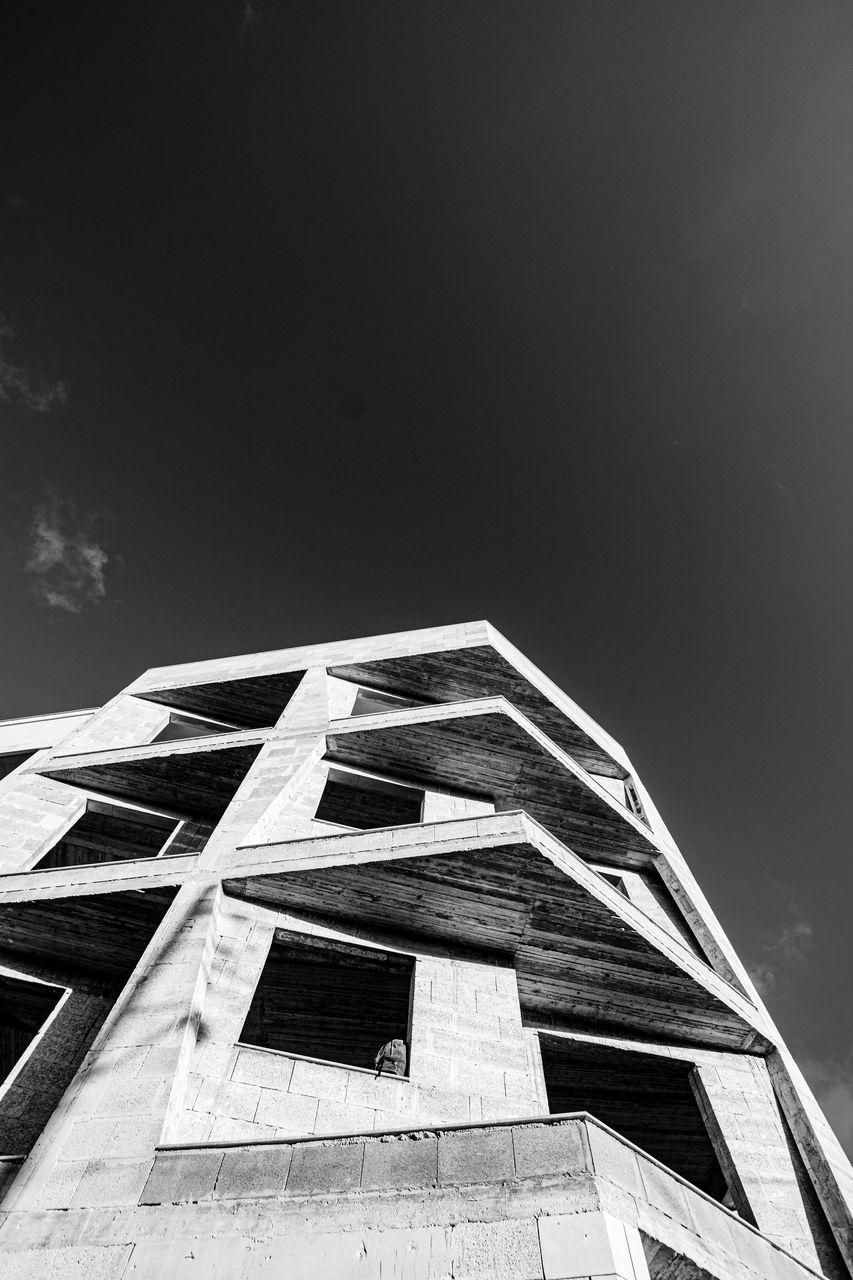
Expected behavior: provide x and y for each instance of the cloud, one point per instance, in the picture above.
(832, 1082)
(24, 384)
(251, 22)
(67, 565)
(781, 951)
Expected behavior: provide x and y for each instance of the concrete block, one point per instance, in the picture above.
(72, 1262)
(316, 1080)
(548, 1149)
(110, 1182)
(256, 1066)
(579, 1245)
(253, 1172)
(612, 1159)
(442, 1106)
(192, 1126)
(226, 1098)
(323, 1167)
(214, 1059)
(665, 1192)
(381, 1093)
(479, 1077)
(497, 1108)
(227, 1129)
(182, 1175)
(136, 1097)
(87, 1138)
(504, 1250)
(134, 1137)
(446, 1044)
(400, 1162)
(287, 1111)
(60, 1185)
(343, 1117)
(427, 1069)
(475, 1155)
(712, 1222)
(501, 1053)
(161, 1060)
(756, 1252)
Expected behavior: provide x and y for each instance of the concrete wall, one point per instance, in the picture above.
(468, 1053)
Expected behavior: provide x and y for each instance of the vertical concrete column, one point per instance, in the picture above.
(98, 1146)
(577, 1246)
(308, 709)
(467, 1037)
(342, 696)
(743, 1120)
(212, 1107)
(823, 1156)
(269, 803)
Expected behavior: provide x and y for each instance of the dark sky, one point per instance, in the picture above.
(323, 319)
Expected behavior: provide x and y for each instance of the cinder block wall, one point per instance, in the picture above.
(468, 1059)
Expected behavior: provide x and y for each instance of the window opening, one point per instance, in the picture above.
(370, 702)
(616, 880)
(329, 1000)
(361, 800)
(24, 1009)
(109, 832)
(632, 800)
(181, 725)
(646, 1098)
(11, 760)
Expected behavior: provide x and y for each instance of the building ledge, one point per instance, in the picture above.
(553, 1165)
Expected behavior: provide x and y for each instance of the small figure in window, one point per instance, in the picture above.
(391, 1059)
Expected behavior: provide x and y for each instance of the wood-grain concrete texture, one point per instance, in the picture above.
(531, 897)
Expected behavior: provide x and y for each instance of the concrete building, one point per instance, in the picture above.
(224, 891)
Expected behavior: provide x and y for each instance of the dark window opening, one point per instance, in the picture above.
(369, 702)
(183, 726)
(632, 800)
(357, 800)
(645, 1098)
(110, 833)
(616, 880)
(66, 961)
(24, 1009)
(329, 1000)
(10, 761)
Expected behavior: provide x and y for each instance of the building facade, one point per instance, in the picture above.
(225, 891)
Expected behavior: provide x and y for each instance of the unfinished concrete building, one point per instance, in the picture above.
(225, 891)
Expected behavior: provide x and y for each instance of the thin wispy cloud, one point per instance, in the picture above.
(66, 564)
(251, 22)
(23, 383)
(781, 952)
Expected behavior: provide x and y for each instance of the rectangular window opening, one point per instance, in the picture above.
(24, 1009)
(109, 832)
(12, 760)
(646, 1098)
(370, 702)
(632, 801)
(361, 800)
(182, 725)
(334, 1001)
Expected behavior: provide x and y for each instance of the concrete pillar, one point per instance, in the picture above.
(742, 1117)
(579, 1246)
